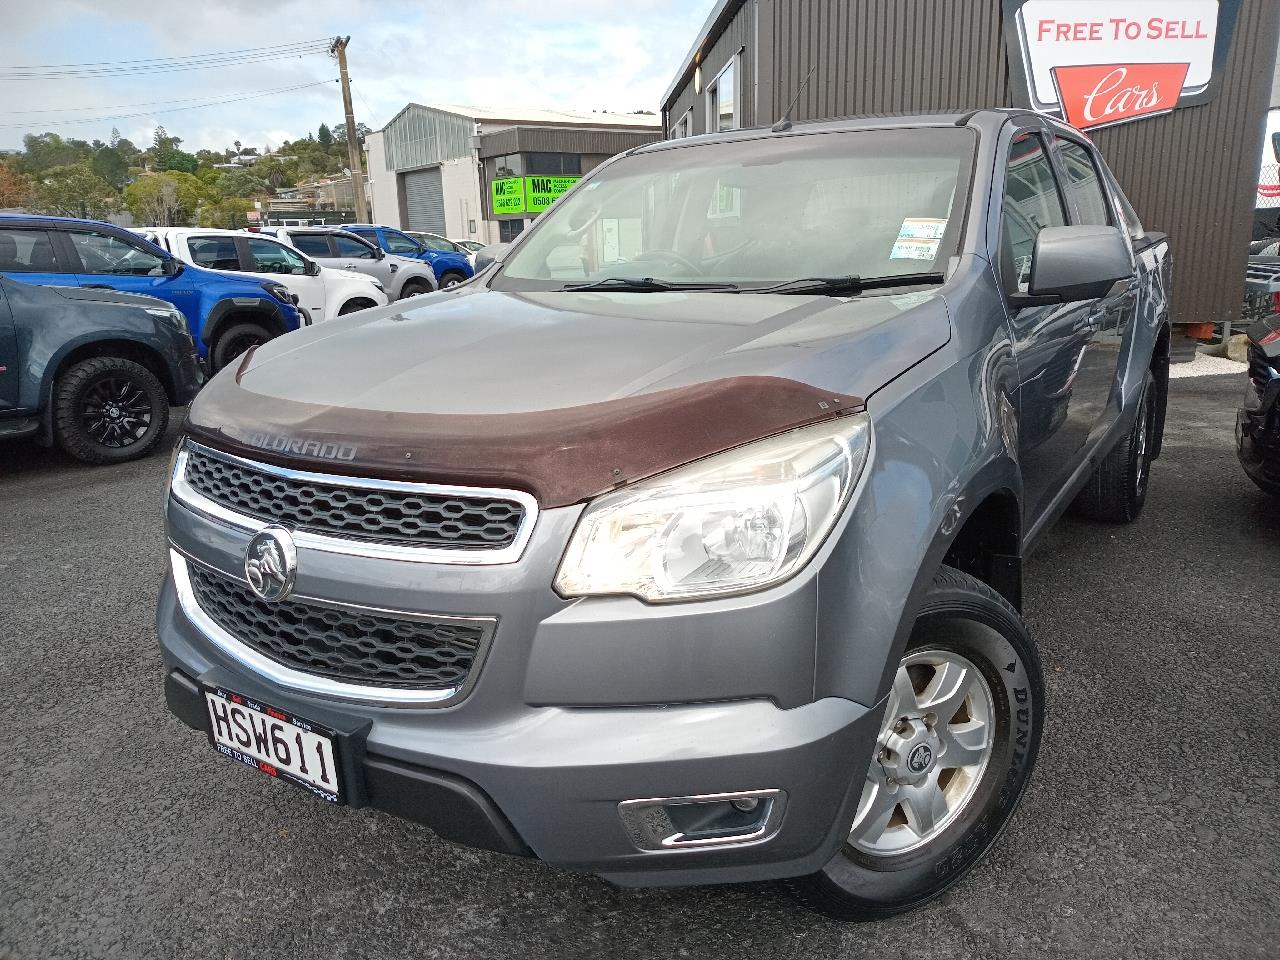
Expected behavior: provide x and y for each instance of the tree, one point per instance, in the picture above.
(161, 140)
(110, 166)
(237, 146)
(228, 213)
(340, 134)
(115, 137)
(15, 189)
(45, 151)
(324, 136)
(168, 199)
(277, 171)
(240, 183)
(178, 160)
(73, 190)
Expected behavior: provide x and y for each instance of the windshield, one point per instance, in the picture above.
(875, 203)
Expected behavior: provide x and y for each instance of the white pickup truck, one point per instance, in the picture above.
(322, 292)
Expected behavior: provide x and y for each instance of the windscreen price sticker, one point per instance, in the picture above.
(926, 249)
(922, 228)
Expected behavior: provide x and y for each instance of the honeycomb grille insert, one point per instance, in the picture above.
(344, 645)
(438, 521)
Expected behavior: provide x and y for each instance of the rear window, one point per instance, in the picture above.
(312, 244)
(27, 251)
(214, 253)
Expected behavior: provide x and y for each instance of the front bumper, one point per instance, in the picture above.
(548, 780)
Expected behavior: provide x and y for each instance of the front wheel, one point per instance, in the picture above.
(109, 410)
(451, 279)
(415, 288)
(956, 747)
(237, 341)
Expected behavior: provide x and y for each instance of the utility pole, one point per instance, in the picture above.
(339, 49)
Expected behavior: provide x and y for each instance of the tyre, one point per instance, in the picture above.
(415, 288)
(352, 306)
(109, 410)
(1117, 490)
(235, 340)
(956, 747)
(451, 279)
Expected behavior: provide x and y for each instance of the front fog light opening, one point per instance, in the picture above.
(706, 820)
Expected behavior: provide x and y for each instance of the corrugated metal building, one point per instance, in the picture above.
(433, 168)
(1191, 173)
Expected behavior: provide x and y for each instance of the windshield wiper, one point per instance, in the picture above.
(833, 286)
(645, 285)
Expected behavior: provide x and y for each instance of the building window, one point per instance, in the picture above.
(553, 164)
(510, 165)
(508, 230)
(684, 126)
(722, 99)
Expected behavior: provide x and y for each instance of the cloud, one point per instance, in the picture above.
(568, 54)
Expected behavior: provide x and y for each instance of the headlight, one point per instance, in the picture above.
(170, 315)
(736, 522)
(378, 284)
(279, 291)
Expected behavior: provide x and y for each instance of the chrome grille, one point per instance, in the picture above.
(371, 514)
(341, 643)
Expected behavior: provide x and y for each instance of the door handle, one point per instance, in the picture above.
(96, 286)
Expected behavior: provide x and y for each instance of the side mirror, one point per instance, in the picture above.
(379, 254)
(313, 269)
(172, 267)
(494, 253)
(1078, 263)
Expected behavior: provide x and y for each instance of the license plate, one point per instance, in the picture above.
(276, 742)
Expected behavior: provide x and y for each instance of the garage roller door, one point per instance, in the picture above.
(424, 198)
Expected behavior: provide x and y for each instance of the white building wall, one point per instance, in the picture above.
(463, 202)
(384, 194)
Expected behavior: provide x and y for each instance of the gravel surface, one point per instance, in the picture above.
(1149, 830)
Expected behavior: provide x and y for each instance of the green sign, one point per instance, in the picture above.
(508, 195)
(527, 194)
(542, 191)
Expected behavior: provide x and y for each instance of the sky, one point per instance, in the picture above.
(616, 55)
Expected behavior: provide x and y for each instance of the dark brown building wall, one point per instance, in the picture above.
(1191, 173)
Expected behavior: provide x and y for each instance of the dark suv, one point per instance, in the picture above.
(685, 543)
(92, 369)
(226, 314)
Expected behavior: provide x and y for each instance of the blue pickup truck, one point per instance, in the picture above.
(226, 314)
(451, 268)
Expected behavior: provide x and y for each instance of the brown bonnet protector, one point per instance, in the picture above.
(561, 456)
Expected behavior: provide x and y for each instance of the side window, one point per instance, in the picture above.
(103, 254)
(1085, 184)
(268, 257)
(399, 243)
(214, 253)
(722, 99)
(312, 244)
(27, 251)
(348, 247)
(436, 243)
(1032, 201)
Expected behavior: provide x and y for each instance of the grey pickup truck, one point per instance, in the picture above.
(684, 544)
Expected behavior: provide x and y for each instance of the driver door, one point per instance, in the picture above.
(272, 260)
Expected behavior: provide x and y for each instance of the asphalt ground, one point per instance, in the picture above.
(1149, 829)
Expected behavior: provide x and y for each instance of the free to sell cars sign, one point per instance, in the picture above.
(1100, 62)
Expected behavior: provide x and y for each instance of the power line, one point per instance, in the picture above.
(149, 113)
(192, 56)
(168, 65)
(130, 106)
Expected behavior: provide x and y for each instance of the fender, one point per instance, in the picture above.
(49, 376)
(263, 310)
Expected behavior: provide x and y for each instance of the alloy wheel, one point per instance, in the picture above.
(116, 411)
(934, 745)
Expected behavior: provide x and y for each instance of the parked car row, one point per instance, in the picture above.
(101, 328)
